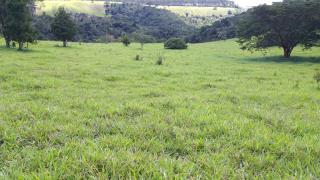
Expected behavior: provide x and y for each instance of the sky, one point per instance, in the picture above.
(250, 3)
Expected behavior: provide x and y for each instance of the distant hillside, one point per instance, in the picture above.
(211, 3)
(131, 19)
(193, 15)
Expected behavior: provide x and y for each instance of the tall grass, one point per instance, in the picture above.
(90, 111)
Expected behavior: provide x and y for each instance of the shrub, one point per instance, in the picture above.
(125, 40)
(175, 43)
(316, 77)
(138, 58)
(160, 60)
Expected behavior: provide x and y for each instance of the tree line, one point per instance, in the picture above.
(209, 3)
(133, 20)
(15, 18)
(286, 24)
(16, 23)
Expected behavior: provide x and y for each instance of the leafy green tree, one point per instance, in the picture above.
(18, 23)
(63, 27)
(175, 43)
(286, 25)
(125, 40)
(3, 21)
(143, 38)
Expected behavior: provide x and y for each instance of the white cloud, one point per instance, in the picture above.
(250, 3)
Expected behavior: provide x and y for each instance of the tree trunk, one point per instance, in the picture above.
(65, 43)
(287, 52)
(8, 41)
(20, 46)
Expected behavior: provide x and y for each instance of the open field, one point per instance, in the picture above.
(91, 110)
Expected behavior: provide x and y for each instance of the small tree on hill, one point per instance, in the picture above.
(125, 40)
(143, 38)
(285, 24)
(18, 25)
(63, 27)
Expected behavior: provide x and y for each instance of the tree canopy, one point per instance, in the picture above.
(63, 27)
(286, 25)
(17, 22)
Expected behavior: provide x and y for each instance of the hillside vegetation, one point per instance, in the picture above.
(92, 111)
(193, 15)
(120, 19)
(221, 3)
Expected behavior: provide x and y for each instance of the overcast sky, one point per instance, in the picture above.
(250, 3)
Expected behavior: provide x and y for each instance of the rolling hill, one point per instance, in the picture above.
(193, 15)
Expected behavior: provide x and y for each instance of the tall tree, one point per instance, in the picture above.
(3, 20)
(18, 23)
(63, 27)
(286, 25)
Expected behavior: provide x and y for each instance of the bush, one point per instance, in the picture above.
(316, 77)
(175, 43)
(125, 40)
(160, 60)
(138, 58)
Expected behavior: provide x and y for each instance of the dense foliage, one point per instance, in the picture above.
(16, 21)
(63, 27)
(220, 3)
(175, 43)
(152, 24)
(286, 24)
(90, 28)
(159, 23)
(125, 40)
(220, 30)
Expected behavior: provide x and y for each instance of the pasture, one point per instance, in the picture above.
(92, 111)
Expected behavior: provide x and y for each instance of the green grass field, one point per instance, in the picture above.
(92, 111)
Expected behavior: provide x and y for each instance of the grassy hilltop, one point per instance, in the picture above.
(91, 110)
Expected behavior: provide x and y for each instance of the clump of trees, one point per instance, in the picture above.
(219, 30)
(159, 23)
(285, 24)
(125, 40)
(17, 25)
(16, 22)
(210, 3)
(150, 23)
(63, 27)
(175, 43)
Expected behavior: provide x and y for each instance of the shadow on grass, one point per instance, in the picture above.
(280, 59)
(12, 49)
